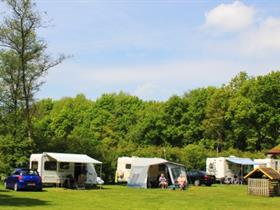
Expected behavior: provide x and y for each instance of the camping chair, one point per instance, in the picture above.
(69, 182)
(81, 182)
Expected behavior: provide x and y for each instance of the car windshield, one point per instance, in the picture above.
(29, 172)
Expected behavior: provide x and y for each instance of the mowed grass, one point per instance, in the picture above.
(217, 197)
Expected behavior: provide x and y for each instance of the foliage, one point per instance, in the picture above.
(23, 63)
(237, 118)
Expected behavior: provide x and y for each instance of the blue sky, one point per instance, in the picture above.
(157, 48)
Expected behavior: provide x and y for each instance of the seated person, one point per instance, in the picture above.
(163, 181)
(182, 182)
(69, 181)
(81, 179)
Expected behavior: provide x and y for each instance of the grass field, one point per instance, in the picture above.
(217, 197)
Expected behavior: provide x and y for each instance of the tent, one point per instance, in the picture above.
(145, 172)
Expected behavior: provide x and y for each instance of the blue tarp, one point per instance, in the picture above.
(241, 161)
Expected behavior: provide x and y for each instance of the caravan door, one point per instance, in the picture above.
(79, 168)
(49, 173)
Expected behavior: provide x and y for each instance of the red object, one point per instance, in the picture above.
(20, 177)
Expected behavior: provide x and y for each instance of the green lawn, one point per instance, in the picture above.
(217, 197)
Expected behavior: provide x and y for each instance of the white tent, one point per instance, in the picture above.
(145, 171)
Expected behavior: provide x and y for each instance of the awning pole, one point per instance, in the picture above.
(100, 173)
(242, 174)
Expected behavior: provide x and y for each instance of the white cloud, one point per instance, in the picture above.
(255, 36)
(230, 17)
(264, 39)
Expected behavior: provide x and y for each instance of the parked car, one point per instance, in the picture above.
(23, 179)
(200, 178)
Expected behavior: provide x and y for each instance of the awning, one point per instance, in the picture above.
(147, 161)
(241, 161)
(72, 158)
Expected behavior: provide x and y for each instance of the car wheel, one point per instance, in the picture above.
(196, 182)
(16, 187)
(208, 185)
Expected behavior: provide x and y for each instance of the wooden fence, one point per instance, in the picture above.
(263, 187)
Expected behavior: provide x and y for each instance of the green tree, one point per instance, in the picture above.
(23, 57)
(23, 63)
(150, 125)
(197, 101)
(194, 157)
(174, 121)
(215, 123)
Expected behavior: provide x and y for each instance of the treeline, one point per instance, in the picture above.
(241, 118)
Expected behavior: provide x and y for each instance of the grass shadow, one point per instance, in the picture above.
(7, 200)
(88, 189)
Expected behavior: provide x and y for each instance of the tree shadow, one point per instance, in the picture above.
(3, 191)
(8, 200)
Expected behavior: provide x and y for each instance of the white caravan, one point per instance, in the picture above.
(228, 167)
(269, 163)
(145, 172)
(56, 168)
(123, 169)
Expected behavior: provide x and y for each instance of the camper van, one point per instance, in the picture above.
(228, 167)
(57, 168)
(268, 162)
(145, 172)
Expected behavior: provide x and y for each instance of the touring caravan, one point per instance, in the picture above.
(57, 168)
(123, 169)
(144, 172)
(268, 163)
(228, 167)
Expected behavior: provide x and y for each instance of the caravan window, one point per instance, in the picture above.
(50, 165)
(64, 165)
(127, 166)
(34, 165)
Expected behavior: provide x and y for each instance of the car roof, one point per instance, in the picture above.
(22, 169)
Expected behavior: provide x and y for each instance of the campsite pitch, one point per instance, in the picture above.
(120, 197)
